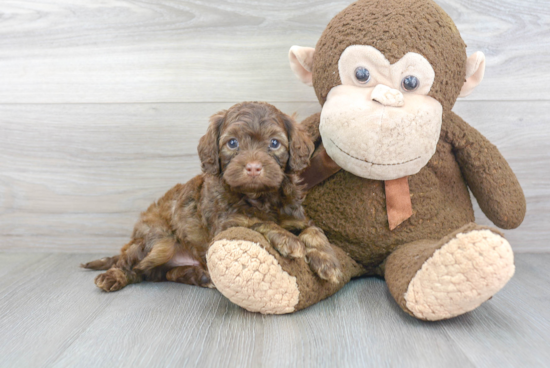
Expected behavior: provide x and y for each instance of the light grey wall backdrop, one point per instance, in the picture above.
(102, 103)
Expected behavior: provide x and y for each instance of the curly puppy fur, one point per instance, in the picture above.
(251, 155)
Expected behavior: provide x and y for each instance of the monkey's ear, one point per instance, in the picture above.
(475, 69)
(208, 145)
(301, 63)
(300, 145)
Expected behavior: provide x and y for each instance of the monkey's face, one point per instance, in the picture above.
(384, 72)
(380, 122)
(383, 105)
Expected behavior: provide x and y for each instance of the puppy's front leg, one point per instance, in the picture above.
(320, 255)
(286, 243)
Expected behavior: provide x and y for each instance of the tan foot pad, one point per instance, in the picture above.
(460, 276)
(250, 277)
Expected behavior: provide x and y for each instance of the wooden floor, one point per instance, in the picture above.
(52, 315)
(102, 104)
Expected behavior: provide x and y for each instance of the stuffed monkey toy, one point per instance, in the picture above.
(388, 182)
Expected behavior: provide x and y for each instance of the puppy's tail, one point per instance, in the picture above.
(101, 264)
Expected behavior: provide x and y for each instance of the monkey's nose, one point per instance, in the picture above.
(387, 96)
(253, 168)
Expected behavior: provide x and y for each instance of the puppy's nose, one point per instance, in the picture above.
(253, 168)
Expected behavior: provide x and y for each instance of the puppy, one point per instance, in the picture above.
(250, 155)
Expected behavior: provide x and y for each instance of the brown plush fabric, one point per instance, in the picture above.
(352, 210)
(394, 27)
(312, 288)
(311, 126)
(487, 174)
(403, 264)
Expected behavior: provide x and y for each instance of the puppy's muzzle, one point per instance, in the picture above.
(253, 168)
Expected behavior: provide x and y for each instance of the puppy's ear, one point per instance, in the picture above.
(208, 145)
(301, 146)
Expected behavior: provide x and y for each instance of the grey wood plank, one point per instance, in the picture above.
(72, 241)
(10, 263)
(93, 179)
(360, 326)
(59, 51)
(168, 325)
(45, 307)
(514, 325)
(67, 185)
(53, 316)
(80, 187)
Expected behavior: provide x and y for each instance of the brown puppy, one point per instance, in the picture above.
(250, 157)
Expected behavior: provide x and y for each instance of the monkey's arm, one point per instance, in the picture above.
(487, 173)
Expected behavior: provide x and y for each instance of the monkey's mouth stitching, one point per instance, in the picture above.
(373, 163)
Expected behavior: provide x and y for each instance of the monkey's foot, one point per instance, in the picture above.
(246, 269)
(467, 270)
(251, 277)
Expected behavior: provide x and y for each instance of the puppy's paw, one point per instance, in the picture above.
(288, 245)
(320, 255)
(191, 275)
(205, 281)
(324, 264)
(101, 264)
(112, 280)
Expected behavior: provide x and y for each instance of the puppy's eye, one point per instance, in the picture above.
(274, 144)
(233, 143)
(410, 83)
(362, 75)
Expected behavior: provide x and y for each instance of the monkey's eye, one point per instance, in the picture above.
(410, 83)
(233, 143)
(362, 74)
(274, 144)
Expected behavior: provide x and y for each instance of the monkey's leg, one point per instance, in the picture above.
(434, 280)
(252, 274)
